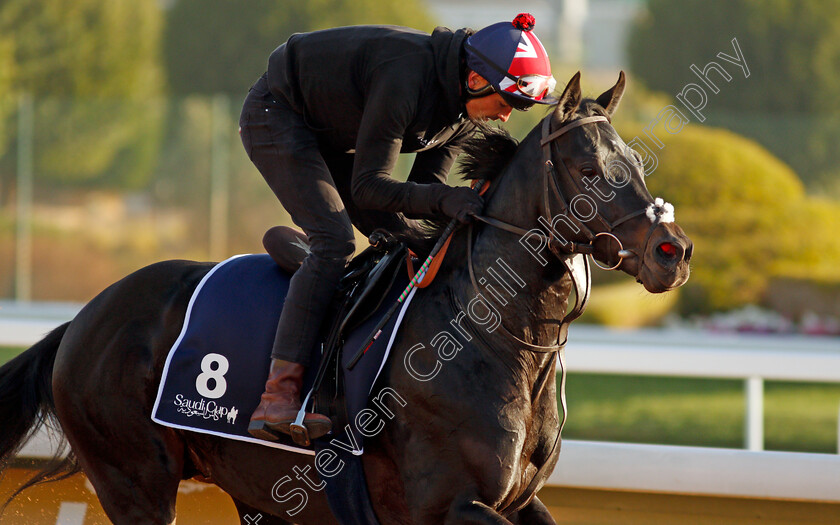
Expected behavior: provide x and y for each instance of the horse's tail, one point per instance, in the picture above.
(27, 404)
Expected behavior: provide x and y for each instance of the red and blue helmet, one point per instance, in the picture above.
(513, 60)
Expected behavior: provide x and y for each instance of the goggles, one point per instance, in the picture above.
(535, 86)
(531, 86)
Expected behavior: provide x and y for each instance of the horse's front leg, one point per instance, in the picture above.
(534, 513)
(466, 509)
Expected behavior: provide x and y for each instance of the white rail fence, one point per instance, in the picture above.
(688, 353)
(667, 469)
(624, 466)
(698, 471)
(24, 324)
(671, 353)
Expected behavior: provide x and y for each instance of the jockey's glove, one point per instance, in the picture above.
(460, 203)
(429, 201)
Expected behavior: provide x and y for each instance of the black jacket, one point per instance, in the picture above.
(378, 91)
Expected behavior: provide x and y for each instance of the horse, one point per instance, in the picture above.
(473, 427)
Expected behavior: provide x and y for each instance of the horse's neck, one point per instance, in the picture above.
(530, 299)
(528, 294)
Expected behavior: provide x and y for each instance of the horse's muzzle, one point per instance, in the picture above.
(665, 263)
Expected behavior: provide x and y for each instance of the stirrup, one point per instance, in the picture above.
(298, 430)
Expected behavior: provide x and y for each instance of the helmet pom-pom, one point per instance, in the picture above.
(524, 21)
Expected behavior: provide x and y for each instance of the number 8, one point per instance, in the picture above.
(217, 375)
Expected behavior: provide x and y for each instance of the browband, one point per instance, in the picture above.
(572, 125)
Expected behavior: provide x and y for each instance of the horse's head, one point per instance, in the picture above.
(595, 195)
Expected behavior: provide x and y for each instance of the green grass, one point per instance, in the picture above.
(701, 412)
(7, 353)
(682, 411)
(801, 416)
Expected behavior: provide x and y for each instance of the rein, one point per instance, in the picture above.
(577, 267)
(562, 248)
(573, 256)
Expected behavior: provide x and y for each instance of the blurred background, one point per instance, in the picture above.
(119, 144)
(119, 148)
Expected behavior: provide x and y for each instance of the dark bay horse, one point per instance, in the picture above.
(476, 430)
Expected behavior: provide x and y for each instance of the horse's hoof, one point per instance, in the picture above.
(260, 430)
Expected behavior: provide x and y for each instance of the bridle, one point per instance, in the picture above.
(568, 252)
(560, 247)
(551, 182)
(573, 256)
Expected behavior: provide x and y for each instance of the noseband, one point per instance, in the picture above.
(551, 182)
(562, 248)
(577, 267)
(568, 252)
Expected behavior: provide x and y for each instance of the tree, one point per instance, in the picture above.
(90, 66)
(792, 50)
(214, 46)
(747, 214)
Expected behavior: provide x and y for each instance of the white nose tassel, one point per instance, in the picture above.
(660, 208)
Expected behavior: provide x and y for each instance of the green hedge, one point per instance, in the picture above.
(747, 214)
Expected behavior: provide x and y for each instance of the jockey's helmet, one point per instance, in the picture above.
(514, 62)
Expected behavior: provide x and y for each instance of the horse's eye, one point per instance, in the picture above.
(587, 171)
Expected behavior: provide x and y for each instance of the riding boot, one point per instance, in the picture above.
(280, 404)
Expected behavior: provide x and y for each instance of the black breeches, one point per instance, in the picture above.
(287, 155)
(313, 183)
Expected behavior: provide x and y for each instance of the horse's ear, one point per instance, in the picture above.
(610, 98)
(569, 100)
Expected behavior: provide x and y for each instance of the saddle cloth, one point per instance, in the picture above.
(216, 370)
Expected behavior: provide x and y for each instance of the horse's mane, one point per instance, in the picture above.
(484, 156)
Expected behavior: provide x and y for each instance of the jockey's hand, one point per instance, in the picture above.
(461, 203)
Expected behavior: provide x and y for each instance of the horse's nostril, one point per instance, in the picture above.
(667, 250)
(688, 252)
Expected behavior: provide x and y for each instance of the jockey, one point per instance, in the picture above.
(325, 125)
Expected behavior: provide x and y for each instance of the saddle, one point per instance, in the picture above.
(361, 292)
